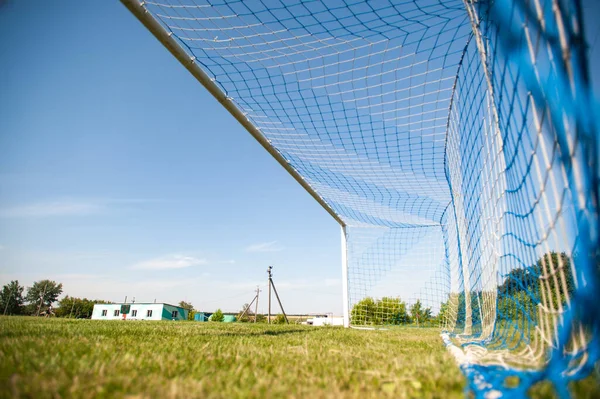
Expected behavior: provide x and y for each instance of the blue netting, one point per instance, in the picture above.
(456, 142)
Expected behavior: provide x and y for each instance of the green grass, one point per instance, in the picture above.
(85, 358)
(43, 358)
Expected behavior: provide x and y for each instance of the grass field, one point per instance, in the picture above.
(84, 358)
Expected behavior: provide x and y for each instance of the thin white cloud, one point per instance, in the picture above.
(169, 262)
(264, 247)
(222, 262)
(69, 207)
(53, 208)
(78, 276)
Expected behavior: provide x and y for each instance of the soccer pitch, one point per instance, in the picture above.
(84, 358)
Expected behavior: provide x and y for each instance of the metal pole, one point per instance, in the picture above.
(345, 297)
(278, 300)
(189, 62)
(256, 309)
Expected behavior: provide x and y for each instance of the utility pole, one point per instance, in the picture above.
(272, 284)
(256, 306)
(269, 284)
(250, 305)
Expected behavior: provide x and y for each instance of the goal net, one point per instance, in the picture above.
(454, 142)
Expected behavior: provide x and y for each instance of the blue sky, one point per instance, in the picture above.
(120, 175)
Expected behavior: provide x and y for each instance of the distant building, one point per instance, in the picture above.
(205, 316)
(201, 316)
(325, 320)
(138, 311)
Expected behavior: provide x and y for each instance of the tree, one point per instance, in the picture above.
(521, 290)
(519, 293)
(521, 279)
(189, 307)
(384, 311)
(551, 262)
(528, 278)
(260, 318)
(519, 306)
(279, 319)
(76, 307)
(391, 311)
(217, 316)
(363, 312)
(419, 313)
(42, 294)
(444, 314)
(11, 298)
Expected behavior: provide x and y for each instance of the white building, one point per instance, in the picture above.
(325, 320)
(138, 311)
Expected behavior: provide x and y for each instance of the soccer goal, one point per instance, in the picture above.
(454, 141)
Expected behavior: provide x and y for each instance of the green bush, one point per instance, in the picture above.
(248, 315)
(218, 316)
(384, 311)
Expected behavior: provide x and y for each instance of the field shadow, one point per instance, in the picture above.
(257, 333)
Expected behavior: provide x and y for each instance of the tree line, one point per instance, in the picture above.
(38, 299)
(520, 292)
(390, 311)
(523, 289)
(517, 298)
